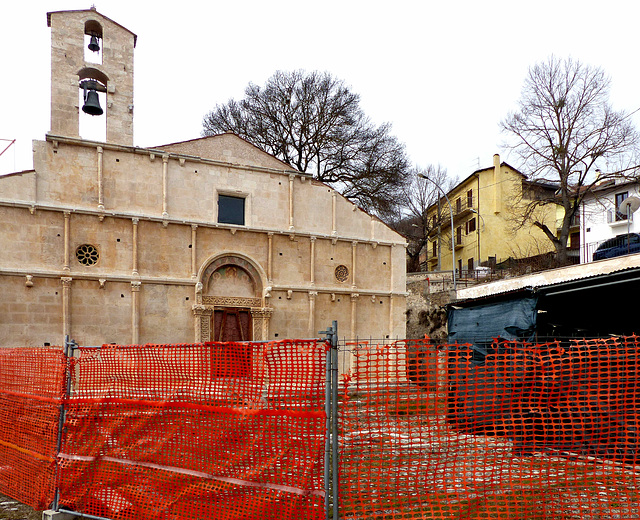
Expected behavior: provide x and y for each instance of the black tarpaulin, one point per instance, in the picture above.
(478, 325)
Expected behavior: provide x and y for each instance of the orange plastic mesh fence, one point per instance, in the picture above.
(32, 385)
(224, 431)
(530, 431)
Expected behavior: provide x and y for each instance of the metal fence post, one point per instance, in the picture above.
(331, 466)
(327, 446)
(334, 419)
(69, 345)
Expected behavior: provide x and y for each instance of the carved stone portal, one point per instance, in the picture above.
(231, 287)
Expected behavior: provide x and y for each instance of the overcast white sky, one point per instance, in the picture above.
(442, 73)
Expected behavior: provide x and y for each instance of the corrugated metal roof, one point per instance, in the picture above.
(551, 277)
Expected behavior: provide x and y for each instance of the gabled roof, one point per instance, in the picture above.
(612, 185)
(476, 173)
(92, 10)
(212, 146)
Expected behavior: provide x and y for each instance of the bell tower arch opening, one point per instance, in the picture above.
(92, 86)
(92, 42)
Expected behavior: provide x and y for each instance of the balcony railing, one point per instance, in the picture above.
(463, 206)
(614, 216)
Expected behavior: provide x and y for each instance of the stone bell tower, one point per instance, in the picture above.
(109, 70)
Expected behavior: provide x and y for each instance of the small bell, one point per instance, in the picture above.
(93, 44)
(92, 103)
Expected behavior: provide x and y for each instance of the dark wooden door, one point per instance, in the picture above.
(232, 325)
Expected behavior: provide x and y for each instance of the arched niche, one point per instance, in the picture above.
(93, 73)
(230, 304)
(93, 28)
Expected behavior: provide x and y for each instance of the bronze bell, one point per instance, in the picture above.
(93, 44)
(92, 103)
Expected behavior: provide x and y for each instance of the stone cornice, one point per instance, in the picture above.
(32, 207)
(102, 277)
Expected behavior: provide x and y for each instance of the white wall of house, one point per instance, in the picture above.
(599, 220)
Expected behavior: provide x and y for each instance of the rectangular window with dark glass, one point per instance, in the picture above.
(619, 198)
(230, 210)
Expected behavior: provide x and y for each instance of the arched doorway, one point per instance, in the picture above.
(230, 305)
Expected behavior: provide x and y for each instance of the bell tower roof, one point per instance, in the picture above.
(135, 37)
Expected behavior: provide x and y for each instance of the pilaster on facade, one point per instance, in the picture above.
(270, 258)
(312, 312)
(312, 267)
(134, 246)
(67, 225)
(292, 178)
(165, 185)
(135, 312)
(391, 269)
(391, 314)
(194, 254)
(66, 305)
(354, 265)
(100, 160)
(354, 309)
(334, 223)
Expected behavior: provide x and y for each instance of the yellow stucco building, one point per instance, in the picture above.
(485, 210)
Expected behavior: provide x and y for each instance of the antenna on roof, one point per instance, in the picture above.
(11, 141)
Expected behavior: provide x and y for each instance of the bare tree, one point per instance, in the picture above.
(313, 122)
(563, 125)
(411, 219)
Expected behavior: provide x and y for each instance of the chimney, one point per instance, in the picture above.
(497, 184)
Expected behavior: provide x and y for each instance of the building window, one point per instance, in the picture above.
(231, 210)
(470, 199)
(459, 236)
(458, 205)
(574, 240)
(470, 265)
(619, 198)
(471, 225)
(434, 248)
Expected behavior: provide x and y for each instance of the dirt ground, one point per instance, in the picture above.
(11, 509)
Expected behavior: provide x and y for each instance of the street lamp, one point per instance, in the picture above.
(478, 233)
(481, 217)
(453, 245)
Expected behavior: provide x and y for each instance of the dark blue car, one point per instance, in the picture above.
(617, 246)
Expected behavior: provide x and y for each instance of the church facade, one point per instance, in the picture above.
(210, 239)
